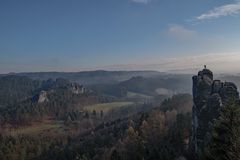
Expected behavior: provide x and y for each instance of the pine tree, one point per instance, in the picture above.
(101, 114)
(224, 141)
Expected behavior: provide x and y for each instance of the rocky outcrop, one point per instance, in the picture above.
(77, 89)
(208, 96)
(51, 87)
(42, 97)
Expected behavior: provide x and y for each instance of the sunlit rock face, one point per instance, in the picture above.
(208, 96)
(42, 97)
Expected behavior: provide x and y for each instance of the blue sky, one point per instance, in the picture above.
(75, 35)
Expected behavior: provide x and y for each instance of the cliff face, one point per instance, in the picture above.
(209, 96)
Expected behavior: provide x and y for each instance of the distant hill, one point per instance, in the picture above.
(167, 84)
(23, 100)
(90, 77)
(155, 85)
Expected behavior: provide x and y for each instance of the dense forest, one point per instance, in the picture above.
(59, 119)
(157, 134)
(62, 120)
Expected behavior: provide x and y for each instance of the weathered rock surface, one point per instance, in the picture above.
(209, 96)
(77, 89)
(42, 97)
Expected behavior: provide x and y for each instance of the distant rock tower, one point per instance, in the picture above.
(42, 97)
(208, 96)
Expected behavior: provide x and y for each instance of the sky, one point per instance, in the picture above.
(78, 35)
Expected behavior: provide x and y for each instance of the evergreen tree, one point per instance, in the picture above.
(94, 113)
(101, 113)
(224, 140)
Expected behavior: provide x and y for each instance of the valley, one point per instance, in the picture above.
(119, 80)
(62, 119)
(107, 107)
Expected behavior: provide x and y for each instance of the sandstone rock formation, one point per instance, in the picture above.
(73, 87)
(209, 96)
(42, 97)
(49, 87)
(77, 89)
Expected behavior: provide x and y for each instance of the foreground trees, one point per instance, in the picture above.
(155, 134)
(154, 138)
(224, 140)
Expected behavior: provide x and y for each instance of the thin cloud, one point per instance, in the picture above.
(225, 10)
(180, 32)
(142, 1)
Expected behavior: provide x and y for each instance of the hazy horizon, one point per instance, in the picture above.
(219, 63)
